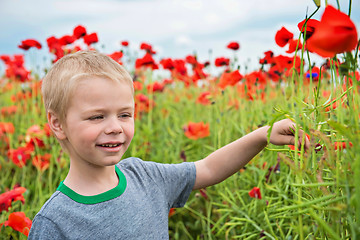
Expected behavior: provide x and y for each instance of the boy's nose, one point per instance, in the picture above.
(114, 126)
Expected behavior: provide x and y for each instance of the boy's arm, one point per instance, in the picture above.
(229, 159)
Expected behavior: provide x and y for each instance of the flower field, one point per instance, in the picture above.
(283, 193)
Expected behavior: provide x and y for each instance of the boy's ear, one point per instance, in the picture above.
(56, 126)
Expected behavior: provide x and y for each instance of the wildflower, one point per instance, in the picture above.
(221, 61)
(90, 39)
(311, 25)
(125, 43)
(29, 43)
(19, 222)
(15, 68)
(155, 87)
(146, 61)
(180, 67)
(293, 45)
(195, 131)
(47, 130)
(342, 145)
(283, 36)
(79, 32)
(19, 156)
(137, 85)
(229, 79)
(7, 198)
(66, 39)
(315, 71)
(191, 59)
(268, 59)
(335, 33)
(255, 193)
(204, 98)
(233, 45)
(318, 147)
(171, 212)
(116, 56)
(42, 162)
(167, 81)
(167, 63)
(147, 47)
(6, 127)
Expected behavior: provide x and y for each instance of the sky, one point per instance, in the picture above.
(175, 28)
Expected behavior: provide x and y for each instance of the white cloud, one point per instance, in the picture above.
(183, 40)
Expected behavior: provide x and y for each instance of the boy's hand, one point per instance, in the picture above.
(283, 133)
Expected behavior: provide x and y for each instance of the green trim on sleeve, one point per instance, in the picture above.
(102, 197)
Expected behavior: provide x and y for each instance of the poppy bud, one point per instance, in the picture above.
(317, 3)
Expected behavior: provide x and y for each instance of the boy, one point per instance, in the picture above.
(89, 104)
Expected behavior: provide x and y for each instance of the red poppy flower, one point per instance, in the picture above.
(47, 130)
(6, 127)
(6, 58)
(53, 43)
(180, 67)
(79, 31)
(311, 25)
(117, 56)
(7, 111)
(255, 193)
(155, 87)
(19, 156)
(342, 145)
(137, 85)
(91, 38)
(204, 98)
(171, 212)
(221, 61)
(167, 63)
(8, 197)
(283, 36)
(147, 61)
(142, 104)
(268, 59)
(233, 45)
(35, 130)
(66, 39)
(335, 33)
(198, 72)
(191, 59)
(145, 46)
(125, 43)
(42, 162)
(29, 43)
(168, 81)
(19, 222)
(229, 79)
(195, 131)
(293, 44)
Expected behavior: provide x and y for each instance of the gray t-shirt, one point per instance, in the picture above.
(137, 208)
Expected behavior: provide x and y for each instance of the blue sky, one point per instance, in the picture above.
(175, 28)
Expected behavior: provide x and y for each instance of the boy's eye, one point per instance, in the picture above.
(96, 117)
(125, 115)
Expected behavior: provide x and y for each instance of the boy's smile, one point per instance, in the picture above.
(99, 122)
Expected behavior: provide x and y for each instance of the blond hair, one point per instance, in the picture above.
(61, 81)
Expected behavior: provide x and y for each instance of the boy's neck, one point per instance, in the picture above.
(89, 181)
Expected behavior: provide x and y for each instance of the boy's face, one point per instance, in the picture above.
(99, 125)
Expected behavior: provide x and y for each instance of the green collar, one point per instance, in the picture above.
(102, 197)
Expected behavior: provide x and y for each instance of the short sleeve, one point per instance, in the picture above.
(43, 228)
(176, 181)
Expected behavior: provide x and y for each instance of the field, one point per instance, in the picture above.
(283, 193)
